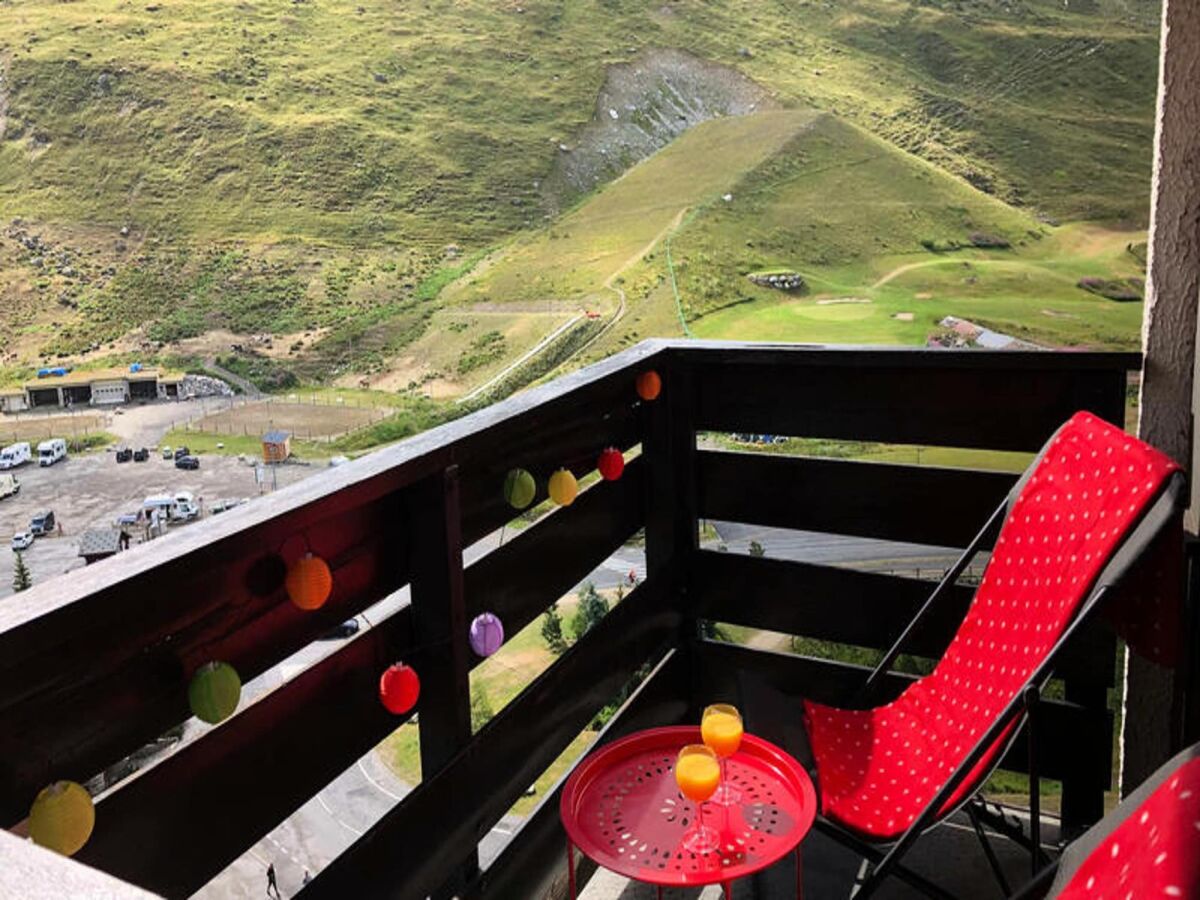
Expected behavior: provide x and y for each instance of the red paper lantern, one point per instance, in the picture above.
(649, 385)
(611, 464)
(399, 688)
(309, 582)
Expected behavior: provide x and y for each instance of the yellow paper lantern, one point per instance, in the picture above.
(563, 487)
(62, 817)
(309, 582)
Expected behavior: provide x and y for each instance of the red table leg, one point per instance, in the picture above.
(727, 887)
(571, 868)
(799, 874)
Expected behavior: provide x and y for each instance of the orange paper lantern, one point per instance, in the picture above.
(649, 385)
(399, 688)
(309, 582)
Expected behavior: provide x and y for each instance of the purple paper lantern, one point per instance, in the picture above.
(487, 634)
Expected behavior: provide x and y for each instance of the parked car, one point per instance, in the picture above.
(124, 455)
(349, 628)
(187, 462)
(22, 540)
(141, 455)
(42, 523)
(168, 453)
(181, 452)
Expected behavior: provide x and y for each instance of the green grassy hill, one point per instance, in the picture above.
(318, 169)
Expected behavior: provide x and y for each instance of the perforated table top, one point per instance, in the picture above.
(622, 808)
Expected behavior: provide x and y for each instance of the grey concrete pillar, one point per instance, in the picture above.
(1169, 339)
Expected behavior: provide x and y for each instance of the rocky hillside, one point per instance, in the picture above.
(321, 168)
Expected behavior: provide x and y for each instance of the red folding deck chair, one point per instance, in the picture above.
(1086, 510)
(1149, 846)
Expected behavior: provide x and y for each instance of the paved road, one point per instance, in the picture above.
(248, 388)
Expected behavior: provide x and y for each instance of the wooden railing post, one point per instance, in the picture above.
(669, 445)
(440, 623)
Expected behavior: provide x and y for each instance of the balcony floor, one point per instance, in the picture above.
(950, 856)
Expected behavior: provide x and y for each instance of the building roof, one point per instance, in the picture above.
(12, 392)
(276, 437)
(89, 376)
(99, 542)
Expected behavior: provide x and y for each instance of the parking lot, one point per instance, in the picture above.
(90, 491)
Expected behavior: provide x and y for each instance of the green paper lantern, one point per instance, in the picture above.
(214, 692)
(519, 488)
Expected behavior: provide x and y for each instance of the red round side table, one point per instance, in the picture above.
(622, 808)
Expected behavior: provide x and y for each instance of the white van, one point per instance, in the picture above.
(15, 455)
(9, 486)
(50, 452)
(185, 508)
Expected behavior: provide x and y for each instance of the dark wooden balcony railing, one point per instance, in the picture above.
(94, 665)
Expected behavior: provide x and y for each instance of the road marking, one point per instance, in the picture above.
(325, 806)
(379, 787)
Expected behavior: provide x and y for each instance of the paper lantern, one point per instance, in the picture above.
(487, 634)
(214, 692)
(519, 488)
(611, 464)
(62, 817)
(309, 582)
(649, 385)
(563, 487)
(399, 688)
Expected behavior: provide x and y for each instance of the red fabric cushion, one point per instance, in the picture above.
(1153, 853)
(879, 768)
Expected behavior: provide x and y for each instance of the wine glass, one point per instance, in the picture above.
(721, 728)
(697, 773)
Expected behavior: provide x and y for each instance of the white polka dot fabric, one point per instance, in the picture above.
(879, 768)
(1153, 853)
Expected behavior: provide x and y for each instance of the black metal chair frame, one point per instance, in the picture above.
(1020, 709)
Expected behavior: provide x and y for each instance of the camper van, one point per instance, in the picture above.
(50, 452)
(185, 507)
(9, 486)
(14, 455)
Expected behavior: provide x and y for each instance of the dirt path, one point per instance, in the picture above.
(620, 292)
(521, 360)
(897, 272)
(247, 387)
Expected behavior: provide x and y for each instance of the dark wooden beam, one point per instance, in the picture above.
(440, 620)
(420, 841)
(846, 606)
(829, 682)
(998, 401)
(914, 504)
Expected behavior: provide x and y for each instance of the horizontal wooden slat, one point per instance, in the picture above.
(175, 826)
(71, 704)
(423, 838)
(332, 710)
(532, 863)
(997, 401)
(914, 504)
(94, 666)
(542, 563)
(867, 609)
(1063, 728)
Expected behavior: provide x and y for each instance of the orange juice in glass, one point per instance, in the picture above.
(698, 773)
(721, 728)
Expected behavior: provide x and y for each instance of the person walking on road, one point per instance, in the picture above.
(272, 885)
